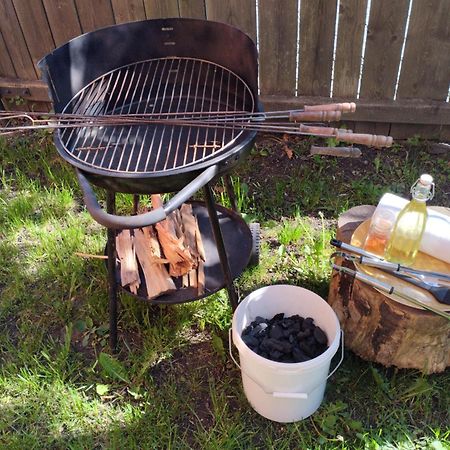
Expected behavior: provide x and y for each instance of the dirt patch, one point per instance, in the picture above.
(281, 175)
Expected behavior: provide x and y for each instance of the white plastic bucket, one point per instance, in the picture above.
(285, 392)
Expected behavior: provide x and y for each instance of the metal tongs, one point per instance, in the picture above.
(415, 276)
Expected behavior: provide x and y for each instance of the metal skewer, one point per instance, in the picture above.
(369, 259)
(388, 289)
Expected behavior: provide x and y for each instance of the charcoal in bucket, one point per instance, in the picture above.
(285, 339)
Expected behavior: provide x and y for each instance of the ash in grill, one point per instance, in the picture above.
(179, 86)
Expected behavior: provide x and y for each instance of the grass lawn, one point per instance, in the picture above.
(173, 385)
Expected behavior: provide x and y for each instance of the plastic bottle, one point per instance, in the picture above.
(405, 238)
(380, 229)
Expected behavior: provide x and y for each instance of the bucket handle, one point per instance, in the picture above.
(297, 395)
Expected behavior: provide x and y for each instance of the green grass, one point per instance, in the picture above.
(172, 385)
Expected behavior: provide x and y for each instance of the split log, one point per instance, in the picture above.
(380, 329)
(179, 257)
(129, 273)
(157, 279)
(194, 243)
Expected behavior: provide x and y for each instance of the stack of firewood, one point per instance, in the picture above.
(169, 250)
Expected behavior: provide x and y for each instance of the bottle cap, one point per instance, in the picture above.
(426, 180)
(423, 189)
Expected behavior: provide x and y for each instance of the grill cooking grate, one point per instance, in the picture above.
(156, 86)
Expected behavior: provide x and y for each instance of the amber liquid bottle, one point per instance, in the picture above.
(380, 229)
(405, 238)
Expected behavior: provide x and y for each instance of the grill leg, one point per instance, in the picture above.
(230, 192)
(112, 281)
(232, 295)
(135, 203)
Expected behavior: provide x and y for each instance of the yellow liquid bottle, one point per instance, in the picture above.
(405, 238)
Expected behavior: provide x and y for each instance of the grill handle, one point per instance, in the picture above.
(150, 218)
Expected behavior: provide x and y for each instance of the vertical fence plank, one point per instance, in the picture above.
(234, 12)
(192, 8)
(92, 18)
(317, 21)
(158, 9)
(349, 45)
(6, 65)
(15, 42)
(426, 65)
(277, 46)
(383, 47)
(128, 11)
(35, 28)
(63, 19)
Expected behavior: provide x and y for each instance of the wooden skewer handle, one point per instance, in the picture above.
(324, 131)
(345, 152)
(343, 107)
(315, 116)
(371, 140)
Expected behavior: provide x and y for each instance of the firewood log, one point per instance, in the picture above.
(129, 274)
(179, 257)
(148, 252)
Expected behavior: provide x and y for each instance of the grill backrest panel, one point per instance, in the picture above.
(71, 67)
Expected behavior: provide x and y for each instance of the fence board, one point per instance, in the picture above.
(128, 11)
(405, 131)
(156, 9)
(400, 111)
(349, 45)
(63, 19)
(277, 48)
(317, 22)
(192, 8)
(234, 12)
(35, 28)
(93, 18)
(15, 42)
(383, 47)
(6, 65)
(372, 128)
(426, 66)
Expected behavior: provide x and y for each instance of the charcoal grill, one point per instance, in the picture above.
(169, 66)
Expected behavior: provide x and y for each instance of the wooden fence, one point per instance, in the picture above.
(308, 49)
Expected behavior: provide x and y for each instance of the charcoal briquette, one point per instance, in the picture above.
(275, 354)
(277, 317)
(306, 348)
(276, 332)
(301, 335)
(308, 323)
(285, 339)
(320, 336)
(250, 341)
(299, 356)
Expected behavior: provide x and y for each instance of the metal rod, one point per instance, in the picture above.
(112, 279)
(218, 237)
(388, 289)
(230, 192)
(273, 127)
(370, 259)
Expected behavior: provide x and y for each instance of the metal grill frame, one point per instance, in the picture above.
(91, 100)
(69, 68)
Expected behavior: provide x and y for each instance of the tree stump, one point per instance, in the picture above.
(380, 329)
